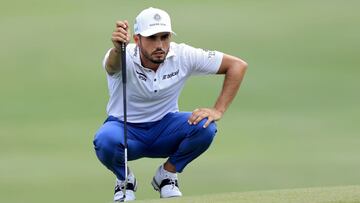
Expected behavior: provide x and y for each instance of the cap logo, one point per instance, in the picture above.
(157, 17)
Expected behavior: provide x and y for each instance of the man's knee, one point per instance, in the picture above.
(106, 140)
(206, 134)
(106, 145)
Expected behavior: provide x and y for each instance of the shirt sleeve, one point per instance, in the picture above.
(202, 62)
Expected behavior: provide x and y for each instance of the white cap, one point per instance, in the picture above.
(152, 21)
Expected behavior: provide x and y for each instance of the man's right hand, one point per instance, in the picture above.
(121, 34)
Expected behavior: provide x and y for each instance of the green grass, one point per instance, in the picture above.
(294, 123)
(344, 194)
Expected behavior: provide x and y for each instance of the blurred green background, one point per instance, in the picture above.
(294, 123)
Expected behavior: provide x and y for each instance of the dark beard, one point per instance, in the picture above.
(159, 61)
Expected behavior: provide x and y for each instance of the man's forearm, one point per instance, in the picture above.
(232, 81)
(113, 63)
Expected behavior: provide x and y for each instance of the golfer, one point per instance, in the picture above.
(156, 73)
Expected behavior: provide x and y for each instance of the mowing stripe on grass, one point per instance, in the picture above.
(305, 195)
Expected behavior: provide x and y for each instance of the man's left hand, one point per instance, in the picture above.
(199, 114)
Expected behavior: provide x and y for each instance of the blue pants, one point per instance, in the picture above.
(171, 137)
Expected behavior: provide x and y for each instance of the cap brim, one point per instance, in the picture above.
(150, 32)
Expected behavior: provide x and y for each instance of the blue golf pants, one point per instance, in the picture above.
(171, 137)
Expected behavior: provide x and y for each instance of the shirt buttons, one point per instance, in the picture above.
(155, 91)
(155, 80)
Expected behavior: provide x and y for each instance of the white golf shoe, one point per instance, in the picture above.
(166, 183)
(130, 189)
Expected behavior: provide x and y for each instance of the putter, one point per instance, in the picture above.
(123, 69)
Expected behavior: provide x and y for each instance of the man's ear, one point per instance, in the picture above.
(136, 39)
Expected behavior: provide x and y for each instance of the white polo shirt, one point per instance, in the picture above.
(151, 95)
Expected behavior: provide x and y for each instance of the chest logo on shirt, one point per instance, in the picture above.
(170, 75)
(141, 76)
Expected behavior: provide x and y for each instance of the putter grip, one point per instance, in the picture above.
(123, 61)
